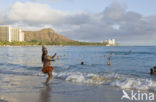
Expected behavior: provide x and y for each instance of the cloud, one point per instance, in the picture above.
(34, 13)
(132, 27)
(113, 22)
(114, 12)
(3, 17)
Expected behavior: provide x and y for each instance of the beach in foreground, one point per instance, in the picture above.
(28, 89)
(31, 89)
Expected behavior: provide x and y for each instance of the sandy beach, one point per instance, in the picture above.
(31, 89)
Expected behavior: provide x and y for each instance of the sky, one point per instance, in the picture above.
(130, 22)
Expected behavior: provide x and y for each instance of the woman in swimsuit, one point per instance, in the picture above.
(46, 60)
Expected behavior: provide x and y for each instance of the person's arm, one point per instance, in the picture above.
(49, 58)
(53, 56)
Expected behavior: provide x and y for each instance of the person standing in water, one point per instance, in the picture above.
(109, 59)
(46, 60)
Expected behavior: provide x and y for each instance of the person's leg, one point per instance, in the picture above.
(49, 77)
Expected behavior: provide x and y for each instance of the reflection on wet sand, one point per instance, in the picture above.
(1, 100)
(45, 94)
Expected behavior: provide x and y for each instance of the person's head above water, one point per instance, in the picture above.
(82, 63)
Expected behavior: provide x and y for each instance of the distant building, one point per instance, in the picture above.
(8, 33)
(110, 42)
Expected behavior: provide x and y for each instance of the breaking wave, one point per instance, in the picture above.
(111, 79)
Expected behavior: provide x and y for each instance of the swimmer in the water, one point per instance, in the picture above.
(82, 63)
(109, 59)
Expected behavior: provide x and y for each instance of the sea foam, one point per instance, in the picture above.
(111, 79)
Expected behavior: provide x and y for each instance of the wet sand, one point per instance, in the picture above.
(48, 94)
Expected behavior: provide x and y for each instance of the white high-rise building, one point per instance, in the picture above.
(8, 33)
(110, 42)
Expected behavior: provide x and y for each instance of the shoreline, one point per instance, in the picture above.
(55, 43)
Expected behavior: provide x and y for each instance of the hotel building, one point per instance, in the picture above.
(8, 33)
(110, 42)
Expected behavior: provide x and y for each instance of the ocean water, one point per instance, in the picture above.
(129, 69)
